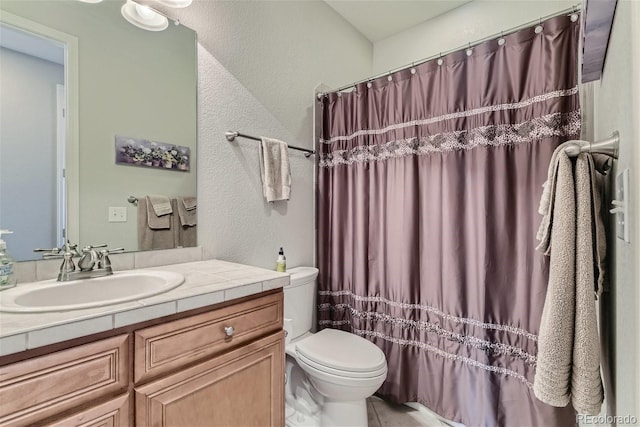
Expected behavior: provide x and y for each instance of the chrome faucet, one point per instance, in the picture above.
(91, 264)
(89, 257)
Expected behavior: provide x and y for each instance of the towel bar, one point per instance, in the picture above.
(607, 146)
(231, 135)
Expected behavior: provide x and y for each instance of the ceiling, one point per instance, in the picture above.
(379, 19)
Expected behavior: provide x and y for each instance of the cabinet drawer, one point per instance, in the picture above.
(44, 386)
(164, 348)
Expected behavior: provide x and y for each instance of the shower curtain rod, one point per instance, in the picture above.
(231, 135)
(570, 10)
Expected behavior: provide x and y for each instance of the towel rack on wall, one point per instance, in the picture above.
(607, 146)
(133, 200)
(231, 135)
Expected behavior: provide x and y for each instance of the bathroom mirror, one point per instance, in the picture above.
(119, 80)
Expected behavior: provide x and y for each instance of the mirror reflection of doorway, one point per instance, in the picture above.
(32, 141)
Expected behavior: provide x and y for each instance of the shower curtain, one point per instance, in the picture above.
(428, 187)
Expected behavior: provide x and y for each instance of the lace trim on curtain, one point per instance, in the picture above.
(455, 357)
(469, 113)
(449, 317)
(470, 341)
(555, 124)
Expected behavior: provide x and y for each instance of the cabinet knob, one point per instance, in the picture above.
(228, 330)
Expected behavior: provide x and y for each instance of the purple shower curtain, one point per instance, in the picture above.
(428, 188)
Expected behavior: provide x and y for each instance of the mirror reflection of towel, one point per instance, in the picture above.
(188, 215)
(154, 238)
(154, 220)
(185, 224)
(189, 202)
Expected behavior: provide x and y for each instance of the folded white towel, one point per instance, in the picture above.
(275, 170)
(189, 202)
(161, 205)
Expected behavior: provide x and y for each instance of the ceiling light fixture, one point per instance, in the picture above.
(144, 17)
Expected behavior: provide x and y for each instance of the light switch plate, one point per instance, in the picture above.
(117, 214)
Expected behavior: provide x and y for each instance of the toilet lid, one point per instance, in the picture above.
(343, 351)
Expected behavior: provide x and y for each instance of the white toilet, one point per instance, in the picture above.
(330, 373)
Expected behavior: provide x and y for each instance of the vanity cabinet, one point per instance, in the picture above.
(222, 366)
(39, 388)
(241, 388)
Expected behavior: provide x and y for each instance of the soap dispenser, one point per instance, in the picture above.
(7, 276)
(281, 262)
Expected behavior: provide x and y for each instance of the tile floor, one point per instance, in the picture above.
(386, 414)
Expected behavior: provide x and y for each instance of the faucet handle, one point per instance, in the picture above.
(90, 257)
(52, 251)
(103, 258)
(90, 247)
(69, 248)
(67, 265)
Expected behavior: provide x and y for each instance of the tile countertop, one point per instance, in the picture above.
(205, 283)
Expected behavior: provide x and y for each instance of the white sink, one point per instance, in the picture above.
(119, 287)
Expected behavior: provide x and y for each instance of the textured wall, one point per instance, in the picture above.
(259, 62)
(470, 22)
(617, 109)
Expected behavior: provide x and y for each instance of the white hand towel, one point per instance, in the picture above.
(275, 170)
(161, 205)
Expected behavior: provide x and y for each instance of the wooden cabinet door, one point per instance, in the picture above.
(114, 413)
(43, 387)
(244, 387)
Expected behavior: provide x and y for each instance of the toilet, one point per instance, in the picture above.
(329, 374)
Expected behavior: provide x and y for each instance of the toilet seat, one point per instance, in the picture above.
(341, 354)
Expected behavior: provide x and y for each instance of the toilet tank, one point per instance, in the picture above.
(299, 297)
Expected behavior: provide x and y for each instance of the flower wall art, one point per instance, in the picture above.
(152, 154)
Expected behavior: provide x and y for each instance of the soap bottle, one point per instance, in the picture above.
(281, 262)
(7, 276)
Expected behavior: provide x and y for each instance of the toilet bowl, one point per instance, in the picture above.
(330, 373)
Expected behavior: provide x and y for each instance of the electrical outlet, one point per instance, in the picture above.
(117, 214)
